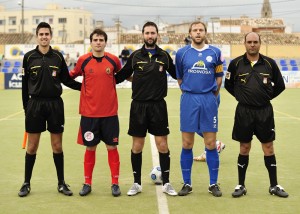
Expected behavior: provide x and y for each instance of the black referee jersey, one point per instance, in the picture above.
(254, 85)
(43, 75)
(149, 74)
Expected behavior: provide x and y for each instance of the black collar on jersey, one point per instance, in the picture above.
(145, 52)
(50, 51)
(98, 59)
(259, 61)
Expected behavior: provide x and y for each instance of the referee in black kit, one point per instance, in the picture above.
(254, 80)
(148, 111)
(44, 69)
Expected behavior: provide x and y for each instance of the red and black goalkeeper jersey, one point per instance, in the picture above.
(98, 96)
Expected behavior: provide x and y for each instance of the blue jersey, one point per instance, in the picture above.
(198, 69)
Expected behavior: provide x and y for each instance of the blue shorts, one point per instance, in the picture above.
(198, 113)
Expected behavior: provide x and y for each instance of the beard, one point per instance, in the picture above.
(152, 44)
(197, 41)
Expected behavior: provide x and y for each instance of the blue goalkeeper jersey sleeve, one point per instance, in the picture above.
(199, 68)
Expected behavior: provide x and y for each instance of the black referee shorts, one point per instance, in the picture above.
(251, 121)
(148, 115)
(45, 113)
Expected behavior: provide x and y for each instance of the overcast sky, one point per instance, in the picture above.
(132, 12)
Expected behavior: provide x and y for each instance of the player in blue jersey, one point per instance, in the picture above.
(219, 144)
(199, 70)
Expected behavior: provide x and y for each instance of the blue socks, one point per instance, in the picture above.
(213, 162)
(186, 162)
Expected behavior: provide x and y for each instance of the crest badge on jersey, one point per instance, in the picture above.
(108, 70)
(209, 59)
(54, 73)
(265, 81)
(88, 136)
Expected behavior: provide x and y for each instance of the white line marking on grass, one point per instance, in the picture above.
(287, 115)
(161, 197)
(11, 115)
(19, 112)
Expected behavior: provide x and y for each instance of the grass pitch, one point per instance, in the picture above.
(44, 197)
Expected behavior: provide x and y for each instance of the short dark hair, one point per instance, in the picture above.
(43, 25)
(252, 32)
(147, 24)
(98, 31)
(195, 23)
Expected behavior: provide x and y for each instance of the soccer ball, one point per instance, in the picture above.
(155, 175)
(220, 146)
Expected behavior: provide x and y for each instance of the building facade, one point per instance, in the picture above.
(69, 25)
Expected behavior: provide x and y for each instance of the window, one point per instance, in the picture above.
(61, 33)
(48, 19)
(12, 20)
(12, 30)
(2, 22)
(80, 33)
(36, 20)
(80, 20)
(62, 20)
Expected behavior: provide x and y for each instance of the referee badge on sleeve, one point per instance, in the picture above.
(228, 75)
(161, 68)
(23, 72)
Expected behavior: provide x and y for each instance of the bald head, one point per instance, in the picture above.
(252, 35)
(252, 45)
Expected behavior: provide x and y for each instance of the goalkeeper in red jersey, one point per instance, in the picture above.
(98, 109)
